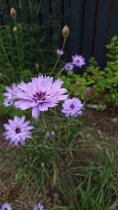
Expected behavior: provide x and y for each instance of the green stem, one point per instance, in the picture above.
(5, 53)
(18, 48)
(17, 45)
(58, 59)
(45, 122)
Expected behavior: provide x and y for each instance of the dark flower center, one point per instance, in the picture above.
(6, 209)
(78, 61)
(72, 106)
(18, 130)
(40, 96)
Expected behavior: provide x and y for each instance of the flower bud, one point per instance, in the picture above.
(37, 67)
(15, 29)
(13, 13)
(65, 32)
(78, 84)
(89, 92)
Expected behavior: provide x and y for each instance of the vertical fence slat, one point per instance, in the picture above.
(33, 8)
(58, 12)
(22, 8)
(101, 30)
(88, 29)
(58, 19)
(5, 17)
(66, 21)
(114, 29)
(45, 17)
(76, 25)
(13, 3)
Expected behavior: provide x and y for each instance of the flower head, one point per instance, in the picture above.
(59, 52)
(13, 13)
(17, 130)
(15, 29)
(6, 206)
(65, 32)
(39, 206)
(72, 107)
(50, 134)
(78, 60)
(69, 66)
(8, 102)
(40, 94)
(11, 91)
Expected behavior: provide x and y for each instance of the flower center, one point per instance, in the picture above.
(72, 106)
(39, 96)
(78, 61)
(18, 130)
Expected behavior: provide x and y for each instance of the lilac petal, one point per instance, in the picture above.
(23, 104)
(35, 112)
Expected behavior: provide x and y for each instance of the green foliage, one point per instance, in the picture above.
(105, 82)
(56, 163)
(17, 54)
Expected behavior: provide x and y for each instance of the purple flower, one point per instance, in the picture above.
(59, 52)
(8, 102)
(78, 60)
(69, 66)
(11, 92)
(50, 134)
(39, 206)
(17, 130)
(72, 107)
(6, 206)
(40, 94)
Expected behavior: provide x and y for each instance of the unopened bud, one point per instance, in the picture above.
(77, 83)
(37, 66)
(13, 13)
(65, 32)
(42, 165)
(15, 29)
(89, 92)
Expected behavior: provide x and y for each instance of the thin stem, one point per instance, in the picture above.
(5, 53)
(58, 59)
(18, 48)
(45, 122)
(17, 45)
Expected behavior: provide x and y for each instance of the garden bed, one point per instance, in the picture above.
(101, 130)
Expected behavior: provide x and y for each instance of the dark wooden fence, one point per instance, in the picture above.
(92, 22)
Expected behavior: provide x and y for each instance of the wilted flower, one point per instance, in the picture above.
(40, 94)
(13, 13)
(72, 107)
(6, 206)
(69, 66)
(11, 92)
(8, 102)
(78, 60)
(65, 32)
(39, 206)
(17, 130)
(50, 134)
(59, 52)
(89, 92)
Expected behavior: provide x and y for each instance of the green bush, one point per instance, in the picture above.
(104, 81)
